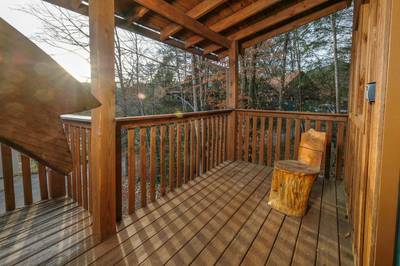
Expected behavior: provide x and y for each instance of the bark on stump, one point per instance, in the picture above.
(291, 185)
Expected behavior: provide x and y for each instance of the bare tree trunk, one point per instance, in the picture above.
(252, 85)
(183, 102)
(298, 65)
(243, 73)
(119, 69)
(139, 94)
(283, 77)
(335, 61)
(195, 79)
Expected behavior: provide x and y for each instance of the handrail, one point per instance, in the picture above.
(154, 120)
(171, 148)
(293, 114)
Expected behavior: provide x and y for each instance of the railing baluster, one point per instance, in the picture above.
(278, 139)
(74, 171)
(254, 140)
(26, 179)
(192, 150)
(43, 181)
(143, 168)
(203, 145)
(198, 147)
(318, 125)
(308, 124)
(171, 157)
(90, 174)
(246, 139)
(270, 137)
(84, 169)
(8, 177)
(78, 166)
(339, 149)
(209, 140)
(287, 138)
(186, 153)
(327, 154)
(297, 132)
(153, 137)
(178, 155)
(131, 171)
(163, 129)
(212, 138)
(220, 138)
(240, 138)
(262, 141)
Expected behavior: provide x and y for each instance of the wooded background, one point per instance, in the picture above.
(306, 69)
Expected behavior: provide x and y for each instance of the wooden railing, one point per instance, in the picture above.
(77, 130)
(266, 136)
(163, 152)
(12, 162)
(157, 154)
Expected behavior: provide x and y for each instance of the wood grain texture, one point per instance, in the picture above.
(103, 127)
(223, 218)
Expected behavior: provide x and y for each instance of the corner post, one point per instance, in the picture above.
(103, 143)
(232, 99)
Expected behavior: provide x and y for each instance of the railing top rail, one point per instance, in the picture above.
(300, 115)
(77, 118)
(150, 120)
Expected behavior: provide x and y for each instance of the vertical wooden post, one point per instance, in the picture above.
(56, 184)
(103, 155)
(232, 99)
(8, 177)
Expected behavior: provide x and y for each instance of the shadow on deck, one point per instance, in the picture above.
(221, 218)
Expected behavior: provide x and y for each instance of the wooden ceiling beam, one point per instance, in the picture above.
(233, 19)
(137, 14)
(177, 16)
(291, 26)
(196, 12)
(275, 18)
(121, 23)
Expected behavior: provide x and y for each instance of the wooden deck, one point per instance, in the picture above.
(222, 218)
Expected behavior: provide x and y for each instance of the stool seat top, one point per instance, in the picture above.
(297, 167)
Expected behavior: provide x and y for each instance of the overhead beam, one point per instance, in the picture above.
(196, 12)
(290, 26)
(137, 14)
(233, 19)
(275, 18)
(122, 23)
(177, 16)
(296, 23)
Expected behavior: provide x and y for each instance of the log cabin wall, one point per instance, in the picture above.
(372, 152)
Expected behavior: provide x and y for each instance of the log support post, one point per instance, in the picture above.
(232, 99)
(103, 143)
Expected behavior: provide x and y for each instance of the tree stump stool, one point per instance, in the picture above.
(291, 185)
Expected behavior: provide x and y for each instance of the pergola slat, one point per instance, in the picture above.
(175, 15)
(234, 19)
(296, 23)
(164, 20)
(277, 17)
(196, 12)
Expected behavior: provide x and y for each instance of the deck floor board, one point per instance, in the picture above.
(219, 218)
